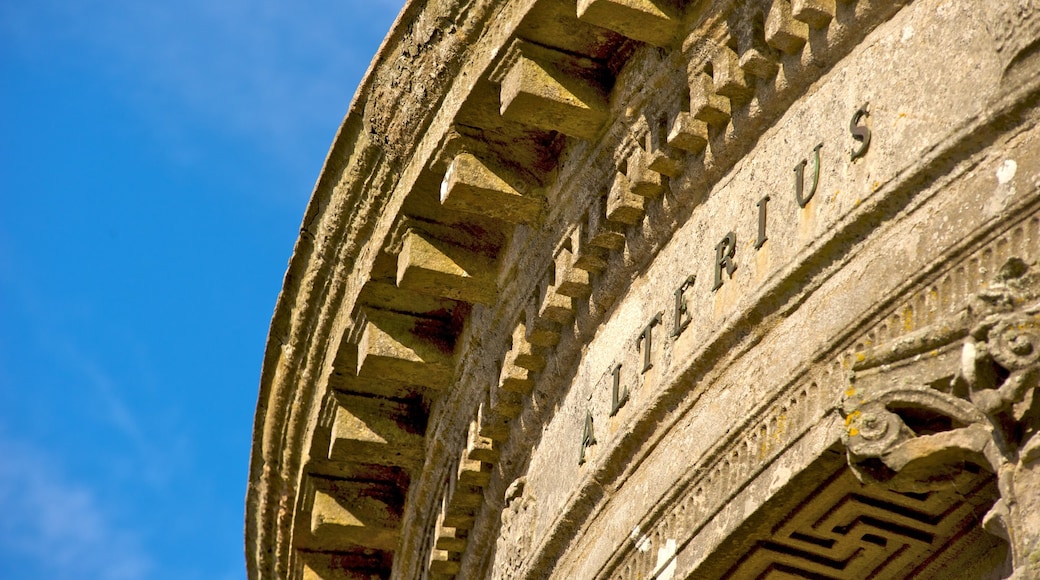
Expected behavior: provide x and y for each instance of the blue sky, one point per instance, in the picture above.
(155, 162)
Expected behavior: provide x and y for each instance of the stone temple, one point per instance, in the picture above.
(633, 289)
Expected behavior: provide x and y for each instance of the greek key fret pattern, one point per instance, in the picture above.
(942, 295)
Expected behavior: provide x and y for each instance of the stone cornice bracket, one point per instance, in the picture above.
(784, 32)
(707, 104)
(478, 181)
(436, 267)
(552, 90)
(407, 348)
(661, 157)
(915, 428)
(644, 155)
(412, 223)
(463, 499)
(756, 56)
(654, 22)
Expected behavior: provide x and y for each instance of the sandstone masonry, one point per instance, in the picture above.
(618, 289)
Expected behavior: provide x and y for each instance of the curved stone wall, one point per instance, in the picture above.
(643, 288)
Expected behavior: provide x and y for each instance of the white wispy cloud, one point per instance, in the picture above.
(58, 526)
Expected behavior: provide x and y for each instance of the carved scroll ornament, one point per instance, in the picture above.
(918, 429)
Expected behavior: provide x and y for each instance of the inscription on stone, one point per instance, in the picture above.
(724, 266)
(645, 341)
(761, 222)
(681, 316)
(588, 437)
(619, 394)
(799, 178)
(725, 251)
(860, 132)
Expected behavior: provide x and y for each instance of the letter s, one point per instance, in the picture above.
(859, 132)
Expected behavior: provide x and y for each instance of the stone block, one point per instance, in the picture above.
(375, 430)
(463, 500)
(815, 13)
(544, 332)
(572, 281)
(759, 63)
(783, 32)
(757, 58)
(473, 473)
(448, 540)
(490, 424)
(354, 517)
(660, 156)
(344, 378)
(623, 205)
(387, 296)
(556, 307)
(524, 354)
(555, 93)
(642, 180)
(473, 186)
(404, 348)
(587, 256)
(508, 404)
(652, 21)
(515, 379)
(478, 447)
(688, 133)
(441, 562)
(730, 80)
(705, 104)
(439, 268)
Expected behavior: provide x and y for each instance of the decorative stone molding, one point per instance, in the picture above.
(554, 91)
(917, 433)
(923, 332)
(529, 267)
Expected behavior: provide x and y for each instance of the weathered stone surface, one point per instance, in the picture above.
(354, 517)
(449, 542)
(523, 353)
(571, 280)
(652, 21)
(440, 268)
(404, 348)
(660, 156)
(815, 13)
(729, 79)
(642, 179)
(553, 91)
(727, 290)
(441, 563)
(783, 32)
(375, 430)
(705, 104)
(688, 133)
(623, 205)
(470, 185)
(479, 448)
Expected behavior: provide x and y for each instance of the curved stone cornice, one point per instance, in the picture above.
(357, 178)
(504, 174)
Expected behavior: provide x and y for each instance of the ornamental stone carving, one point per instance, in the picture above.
(1015, 26)
(914, 427)
(514, 540)
(580, 280)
